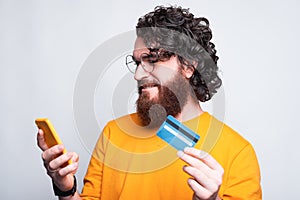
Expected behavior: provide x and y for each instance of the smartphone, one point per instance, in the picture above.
(50, 135)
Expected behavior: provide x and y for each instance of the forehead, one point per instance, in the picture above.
(139, 47)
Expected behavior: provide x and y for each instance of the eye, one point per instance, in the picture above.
(150, 58)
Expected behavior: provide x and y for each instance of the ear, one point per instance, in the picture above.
(187, 71)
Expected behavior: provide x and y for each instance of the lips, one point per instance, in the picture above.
(147, 86)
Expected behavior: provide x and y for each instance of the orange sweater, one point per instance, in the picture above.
(131, 163)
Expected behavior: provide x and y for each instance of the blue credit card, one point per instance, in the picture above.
(176, 134)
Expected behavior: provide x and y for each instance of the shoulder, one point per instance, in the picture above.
(226, 145)
(221, 140)
(232, 138)
(238, 159)
(227, 136)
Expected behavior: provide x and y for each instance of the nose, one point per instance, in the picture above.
(140, 73)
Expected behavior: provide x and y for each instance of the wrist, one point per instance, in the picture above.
(61, 193)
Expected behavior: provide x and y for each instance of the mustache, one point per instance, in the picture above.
(142, 83)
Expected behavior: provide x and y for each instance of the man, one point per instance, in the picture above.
(174, 63)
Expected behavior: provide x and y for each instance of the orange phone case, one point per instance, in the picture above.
(50, 135)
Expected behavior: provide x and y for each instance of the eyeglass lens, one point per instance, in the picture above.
(146, 60)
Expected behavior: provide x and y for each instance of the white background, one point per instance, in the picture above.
(43, 45)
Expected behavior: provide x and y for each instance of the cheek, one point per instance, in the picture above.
(164, 74)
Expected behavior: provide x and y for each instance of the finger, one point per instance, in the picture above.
(52, 153)
(60, 161)
(75, 157)
(193, 161)
(41, 141)
(205, 157)
(199, 190)
(69, 169)
(197, 163)
(209, 183)
(198, 175)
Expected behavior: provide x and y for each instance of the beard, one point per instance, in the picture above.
(169, 101)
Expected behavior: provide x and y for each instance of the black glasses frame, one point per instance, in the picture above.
(147, 60)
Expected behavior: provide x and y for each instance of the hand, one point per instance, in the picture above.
(206, 173)
(54, 162)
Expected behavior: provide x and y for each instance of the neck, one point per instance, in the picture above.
(191, 110)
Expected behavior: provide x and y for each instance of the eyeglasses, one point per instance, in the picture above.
(147, 61)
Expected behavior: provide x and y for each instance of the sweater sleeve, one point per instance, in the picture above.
(244, 177)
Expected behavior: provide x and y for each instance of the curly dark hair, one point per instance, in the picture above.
(175, 29)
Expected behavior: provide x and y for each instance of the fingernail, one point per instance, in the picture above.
(180, 154)
(190, 181)
(69, 154)
(74, 165)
